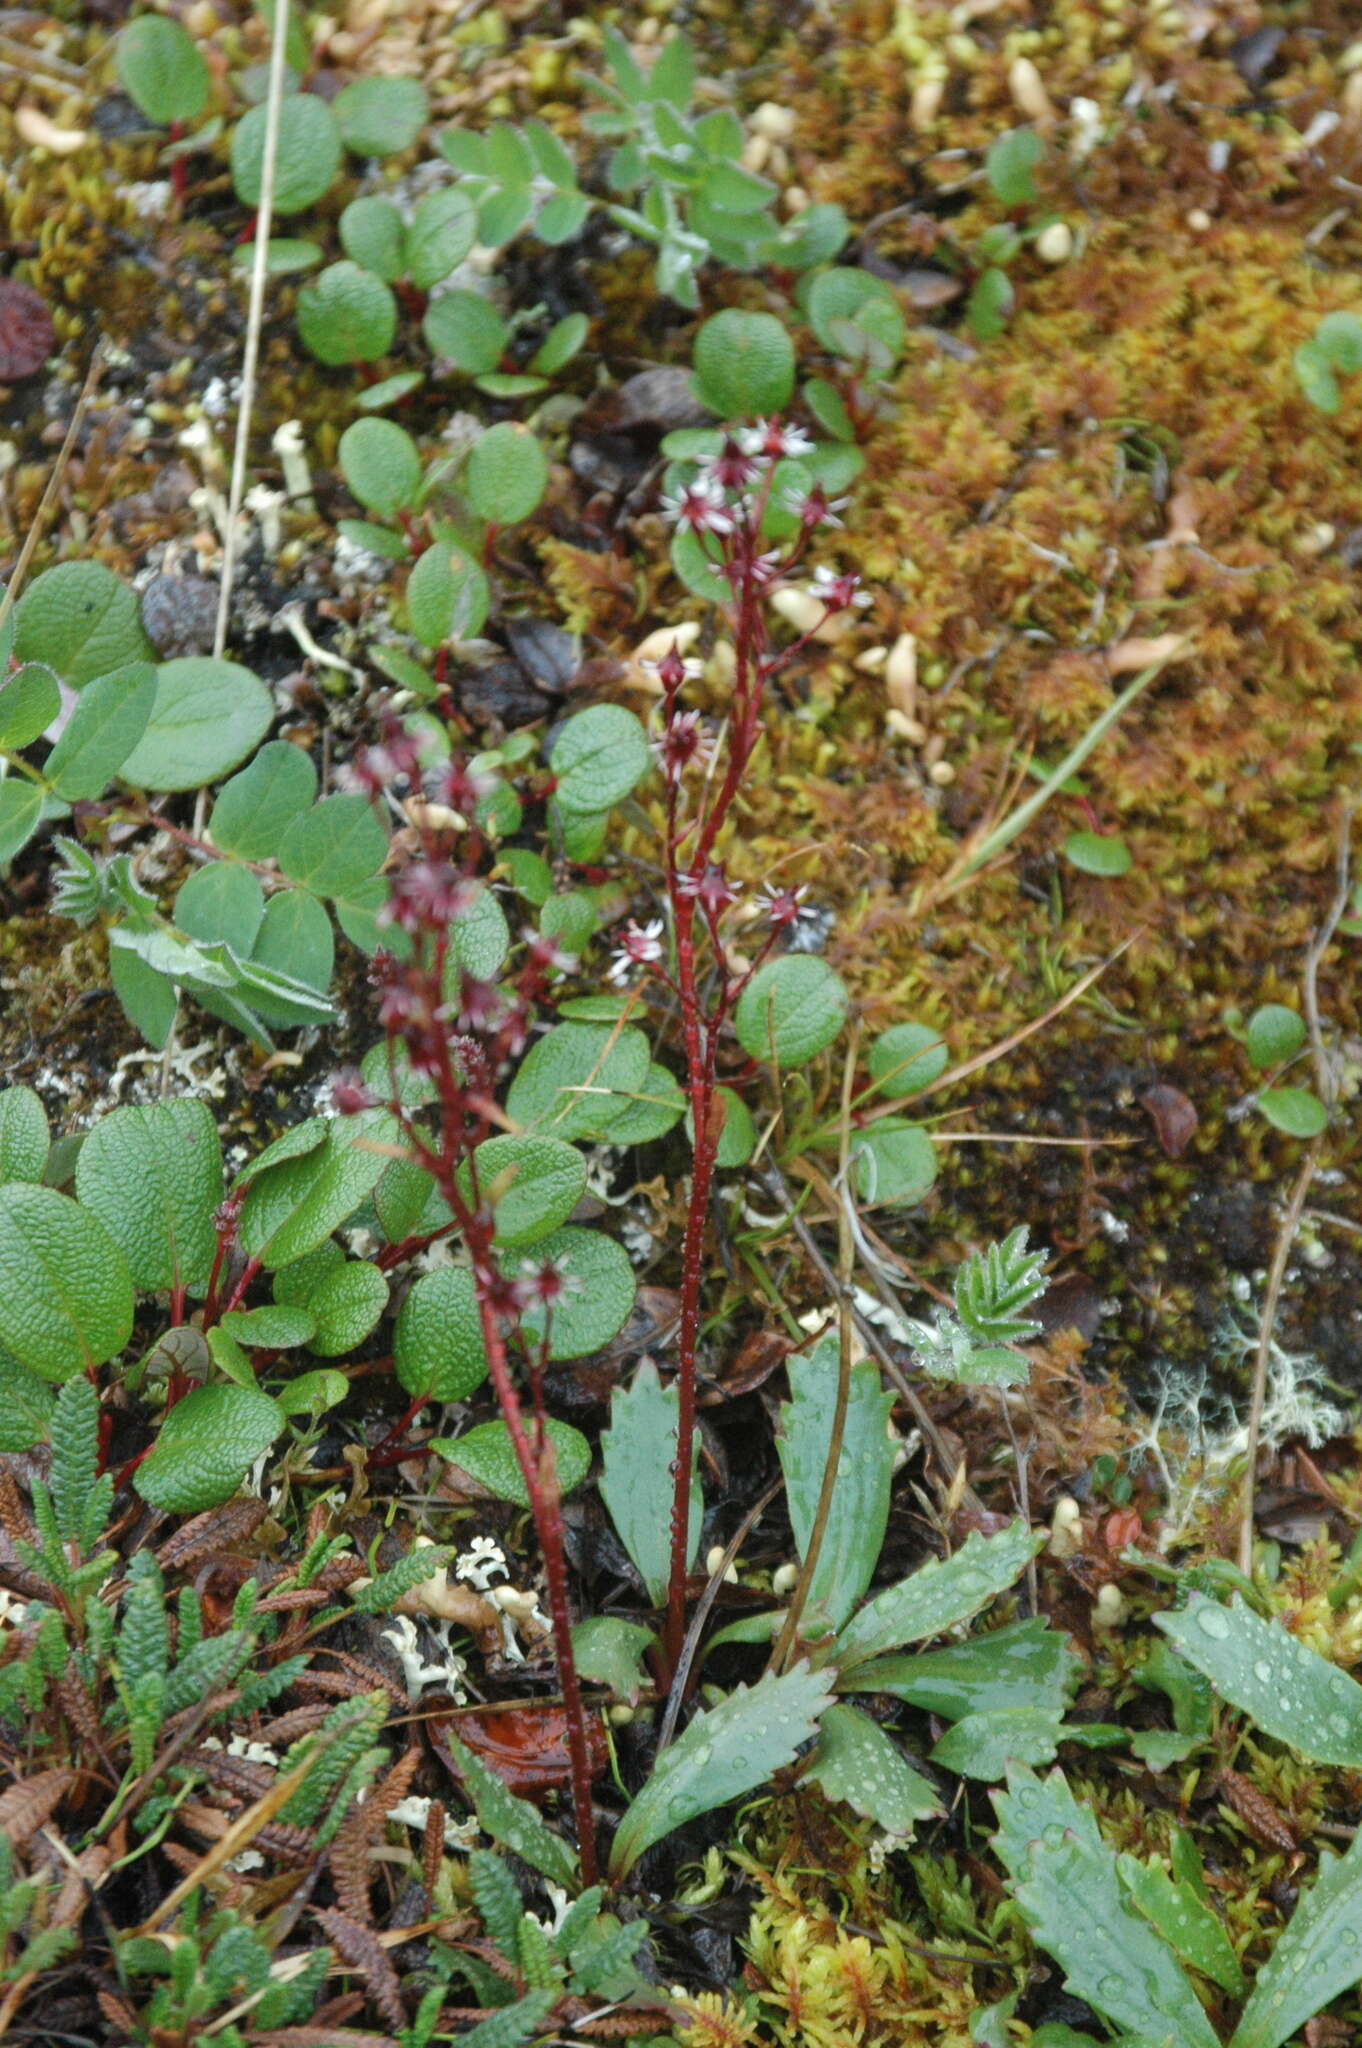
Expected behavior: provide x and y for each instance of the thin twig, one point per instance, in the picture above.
(1286, 1237)
(40, 518)
(681, 1679)
(1326, 1070)
(255, 316)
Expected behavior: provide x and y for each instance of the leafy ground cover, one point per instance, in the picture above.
(678, 1230)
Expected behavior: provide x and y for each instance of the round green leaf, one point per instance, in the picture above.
(738, 1138)
(1274, 1034)
(284, 255)
(371, 235)
(65, 1292)
(208, 715)
(599, 1293)
(387, 391)
(24, 1136)
(1097, 853)
(657, 1108)
(1296, 1111)
(336, 844)
(21, 811)
(161, 70)
(478, 943)
(906, 1058)
(437, 1344)
(29, 702)
(152, 1174)
(81, 621)
(347, 315)
(207, 1445)
(744, 364)
(506, 474)
(561, 343)
(697, 567)
(108, 722)
(221, 901)
(487, 1455)
(255, 808)
(380, 465)
(307, 158)
(576, 1081)
(790, 1010)
(447, 595)
(466, 328)
(347, 1305)
(1339, 339)
(443, 229)
(297, 1203)
(895, 1164)
(535, 1183)
(274, 1326)
(380, 116)
(295, 939)
(842, 298)
(295, 1285)
(597, 758)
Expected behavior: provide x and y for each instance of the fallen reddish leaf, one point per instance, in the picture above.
(27, 336)
(527, 1747)
(1173, 1115)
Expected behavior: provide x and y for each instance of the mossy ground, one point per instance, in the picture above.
(1131, 459)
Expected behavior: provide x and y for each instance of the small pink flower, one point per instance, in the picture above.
(771, 439)
(682, 741)
(639, 946)
(700, 506)
(838, 591)
(349, 1094)
(712, 890)
(733, 468)
(781, 906)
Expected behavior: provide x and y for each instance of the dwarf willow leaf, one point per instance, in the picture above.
(371, 235)
(444, 227)
(24, 1136)
(575, 1081)
(207, 716)
(487, 1454)
(1066, 1881)
(744, 364)
(347, 315)
(1274, 1034)
(468, 330)
(274, 1326)
(295, 1204)
(336, 844)
(380, 465)
(29, 702)
(638, 1450)
(906, 1058)
(859, 1512)
(598, 1292)
(479, 941)
(345, 1306)
(308, 157)
(66, 1301)
(81, 620)
(533, 1183)
(1297, 1111)
(940, 1594)
(447, 594)
(894, 1164)
(254, 809)
(790, 1010)
(207, 1444)
(161, 70)
(505, 474)
(598, 757)
(1260, 1668)
(21, 811)
(724, 1753)
(294, 940)
(152, 1174)
(380, 116)
(109, 719)
(856, 1762)
(437, 1344)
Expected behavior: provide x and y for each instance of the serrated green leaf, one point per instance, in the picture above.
(1317, 1957)
(1266, 1673)
(1185, 1921)
(637, 1449)
(206, 1446)
(514, 1821)
(721, 1755)
(66, 1300)
(859, 1513)
(152, 1174)
(983, 1745)
(1064, 1878)
(857, 1763)
(939, 1595)
(1024, 1664)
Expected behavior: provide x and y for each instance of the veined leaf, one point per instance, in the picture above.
(940, 1595)
(1262, 1670)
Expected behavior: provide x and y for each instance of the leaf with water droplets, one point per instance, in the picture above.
(856, 1762)
(1261, 1669)
(1065, 1880)
(940, 1595)
(722, 1755)
(1317, 1956)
